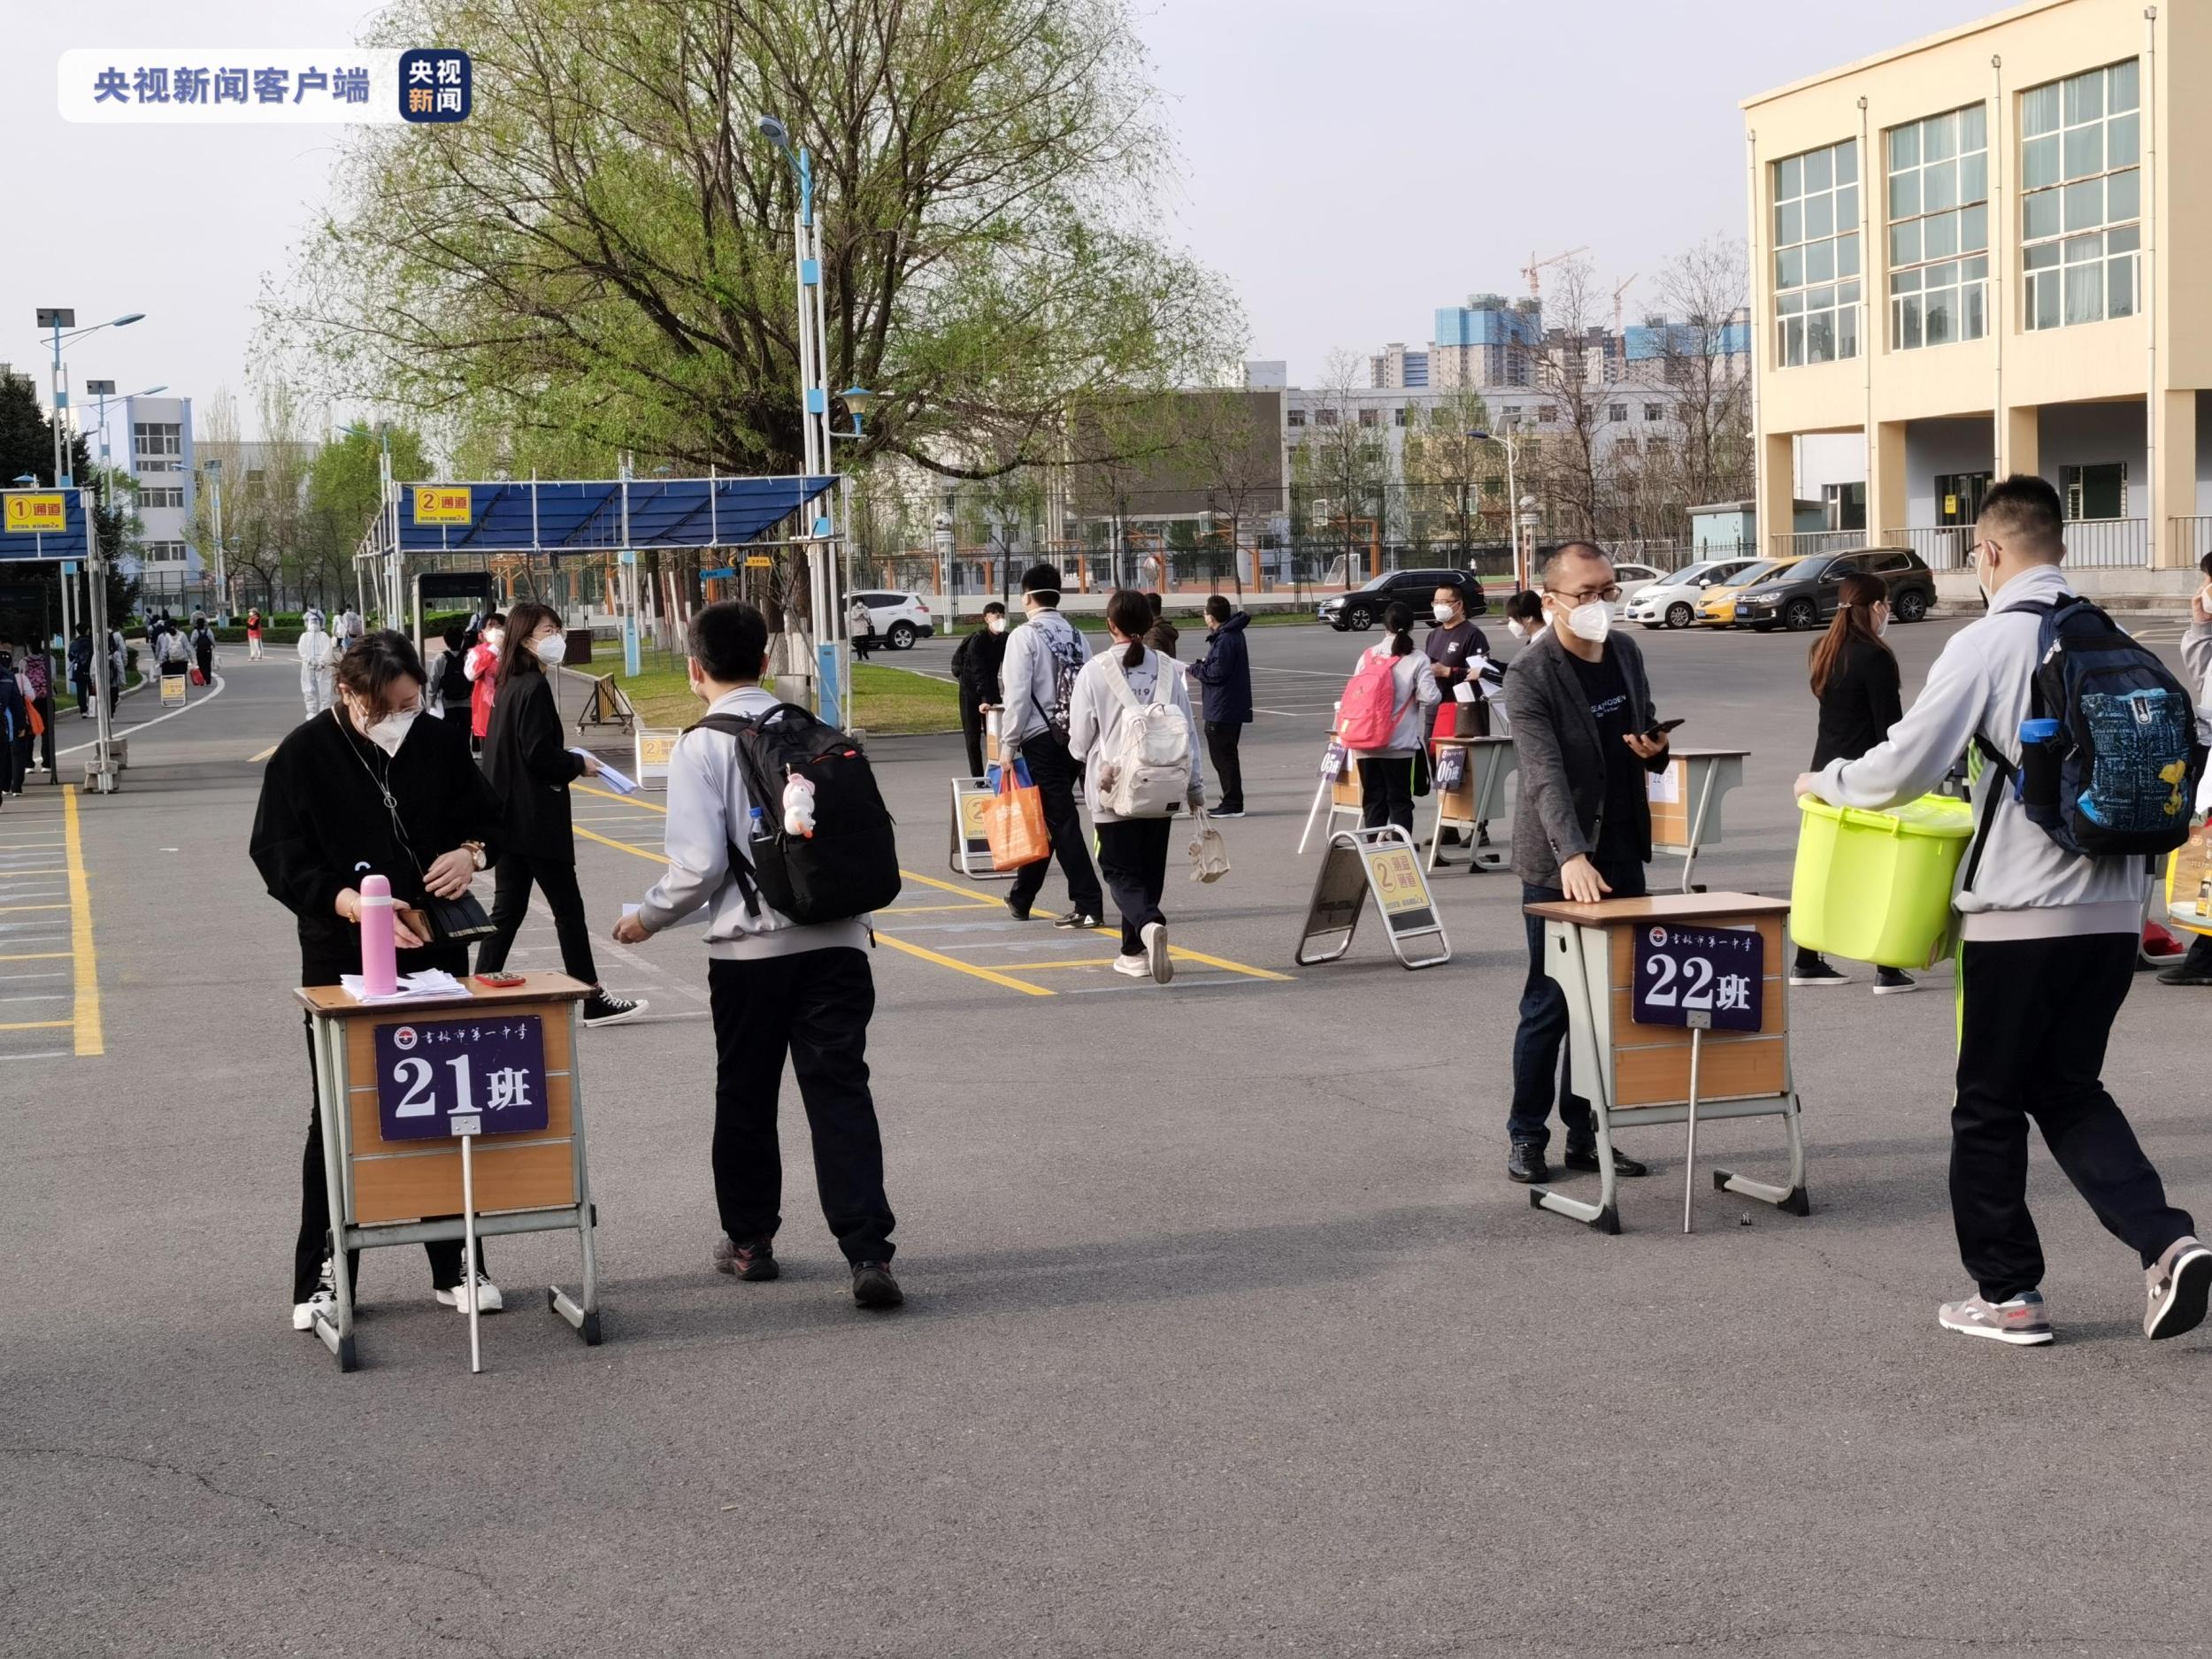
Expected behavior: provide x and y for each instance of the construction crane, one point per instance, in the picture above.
(1534, 265)
(1617, 312)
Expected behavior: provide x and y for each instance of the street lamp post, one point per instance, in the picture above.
(1512, 525)
(101, 392)
(814, 416)
(61, 323)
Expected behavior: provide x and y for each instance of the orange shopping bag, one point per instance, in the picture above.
(38, 720)
(1014, 820)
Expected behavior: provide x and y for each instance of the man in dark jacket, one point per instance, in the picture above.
(1163, 636)
(975, 664)
(1224, 669)
(1584, 735)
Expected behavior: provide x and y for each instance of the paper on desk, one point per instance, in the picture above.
(608, 775)
(1464, 691)
(414, 988)
(1665, 788)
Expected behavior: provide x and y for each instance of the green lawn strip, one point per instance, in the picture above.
(886, 701)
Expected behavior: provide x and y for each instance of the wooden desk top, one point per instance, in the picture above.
(1679, 753)
(333, 1002)
(1663, 907)
(1469, 743)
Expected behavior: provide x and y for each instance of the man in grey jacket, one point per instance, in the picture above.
(2048, 953)
(1043, 656)
(774, 985)
(1585, 737)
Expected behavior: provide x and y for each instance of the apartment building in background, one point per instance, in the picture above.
(1394, 368)
(150, 438)
(1985, 253)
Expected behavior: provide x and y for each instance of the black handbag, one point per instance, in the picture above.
(456, 921)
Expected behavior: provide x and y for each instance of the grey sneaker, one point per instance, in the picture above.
(2179, 1286)
(2021, 1322)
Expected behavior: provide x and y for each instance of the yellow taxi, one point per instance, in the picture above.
(1717, 610)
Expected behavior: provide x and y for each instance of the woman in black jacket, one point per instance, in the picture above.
(369, 786)
(1854, 676)
(975, 664)
(530, 769)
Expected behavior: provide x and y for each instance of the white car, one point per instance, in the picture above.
(1633, 579)
(1671, 602)
(900, 618)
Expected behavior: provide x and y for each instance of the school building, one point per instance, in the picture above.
(1988, 253)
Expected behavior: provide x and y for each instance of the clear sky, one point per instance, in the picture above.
(1349, 164)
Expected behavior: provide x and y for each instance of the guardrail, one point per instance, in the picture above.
(2189, 540)
(2108, 543)
(1940, 547)
(1806, 542)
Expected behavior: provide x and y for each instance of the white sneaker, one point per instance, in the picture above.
(1136, 967)
(488, 1297)
(1154, 937)
(2180, 1282)
(2021, 1322)
(323, 1301)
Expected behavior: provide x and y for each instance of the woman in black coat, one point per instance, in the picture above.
(975, 664)
(369, 786)
(530, 769)
(1854, 676)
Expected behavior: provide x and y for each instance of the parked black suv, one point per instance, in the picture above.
(1804, 594)
(1362, 607)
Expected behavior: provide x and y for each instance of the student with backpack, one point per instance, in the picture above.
(15, 723)
(786, 876)
(2085, 740)
(450, 679)
(1129, 722)
(1384, 721)
(2195, 968)
(1043, 658)
(204, 650)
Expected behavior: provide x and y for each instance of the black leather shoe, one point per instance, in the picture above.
(1016, 908)
(1076, 919)
(1526, 1163)
(874, 1288)
(753, 1261)
(1585, 1158)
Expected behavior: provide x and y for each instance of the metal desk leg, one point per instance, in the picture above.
(1605, 1214)
(585, 1315)
(1697, 825)
(1790, 1200)
(330, 1103)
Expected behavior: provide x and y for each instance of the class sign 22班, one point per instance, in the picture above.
(1710, 979)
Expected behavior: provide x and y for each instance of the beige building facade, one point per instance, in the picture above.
(1991, 252)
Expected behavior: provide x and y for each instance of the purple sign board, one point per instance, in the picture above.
(434, 1075)
(1710, 979)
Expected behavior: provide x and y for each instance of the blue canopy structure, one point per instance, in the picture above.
(528, 516)
(30, 530)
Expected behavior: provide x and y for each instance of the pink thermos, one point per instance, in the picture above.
(379, 953)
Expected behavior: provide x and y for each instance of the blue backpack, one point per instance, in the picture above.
(2115, 771)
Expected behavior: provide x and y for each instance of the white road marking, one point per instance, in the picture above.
(214, 692)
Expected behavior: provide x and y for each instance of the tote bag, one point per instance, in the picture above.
(1014, 820)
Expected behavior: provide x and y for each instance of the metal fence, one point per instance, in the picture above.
(1798, 543)
(2108, 543)
(1940, 547)
(2190, 541)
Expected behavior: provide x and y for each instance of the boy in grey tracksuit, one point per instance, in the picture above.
(2049, 954)
(2196, 661)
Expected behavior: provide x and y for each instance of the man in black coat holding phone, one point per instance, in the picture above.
(1584, 735)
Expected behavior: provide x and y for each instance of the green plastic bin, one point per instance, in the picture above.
(1876, 886)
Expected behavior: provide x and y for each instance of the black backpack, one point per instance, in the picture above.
(2117, 770)
(849, 866)
(453, 679)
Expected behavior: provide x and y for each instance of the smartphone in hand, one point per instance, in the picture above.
(1660, 728)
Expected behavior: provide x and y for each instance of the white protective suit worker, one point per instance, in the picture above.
(318, 664)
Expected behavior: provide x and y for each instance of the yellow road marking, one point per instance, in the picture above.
(34, 907)
(896, 944)
(610, 795)
(1200, 956)
(965, 967)
(37, 1025)
(90, 1038)
(35, 956)
(1032, 967)
(263, 754)
(920, 910)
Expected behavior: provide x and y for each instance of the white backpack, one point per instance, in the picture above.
(1147, 755)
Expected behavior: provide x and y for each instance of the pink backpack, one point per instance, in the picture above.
(1370, 710)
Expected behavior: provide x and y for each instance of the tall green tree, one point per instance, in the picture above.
(603, 253)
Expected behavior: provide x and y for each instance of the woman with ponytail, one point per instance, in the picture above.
(1386, 747)
(1113, 728)
(1854, 676)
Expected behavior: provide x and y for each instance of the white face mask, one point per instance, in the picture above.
(390, 732)
(551, 649)
(1442, 613)
(495, 637)
(1881, 624)
(1514, 626)
(997, 625)
(1589, 622)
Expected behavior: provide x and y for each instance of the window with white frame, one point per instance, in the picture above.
(1619, 412)
(1655, 411)
(2081, 206)
(162, 553)
(152, 496)
(1295, 418)
(157, 438)
(1938, 229)
(1817, 256)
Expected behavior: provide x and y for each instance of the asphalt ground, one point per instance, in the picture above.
(1225, 1332)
